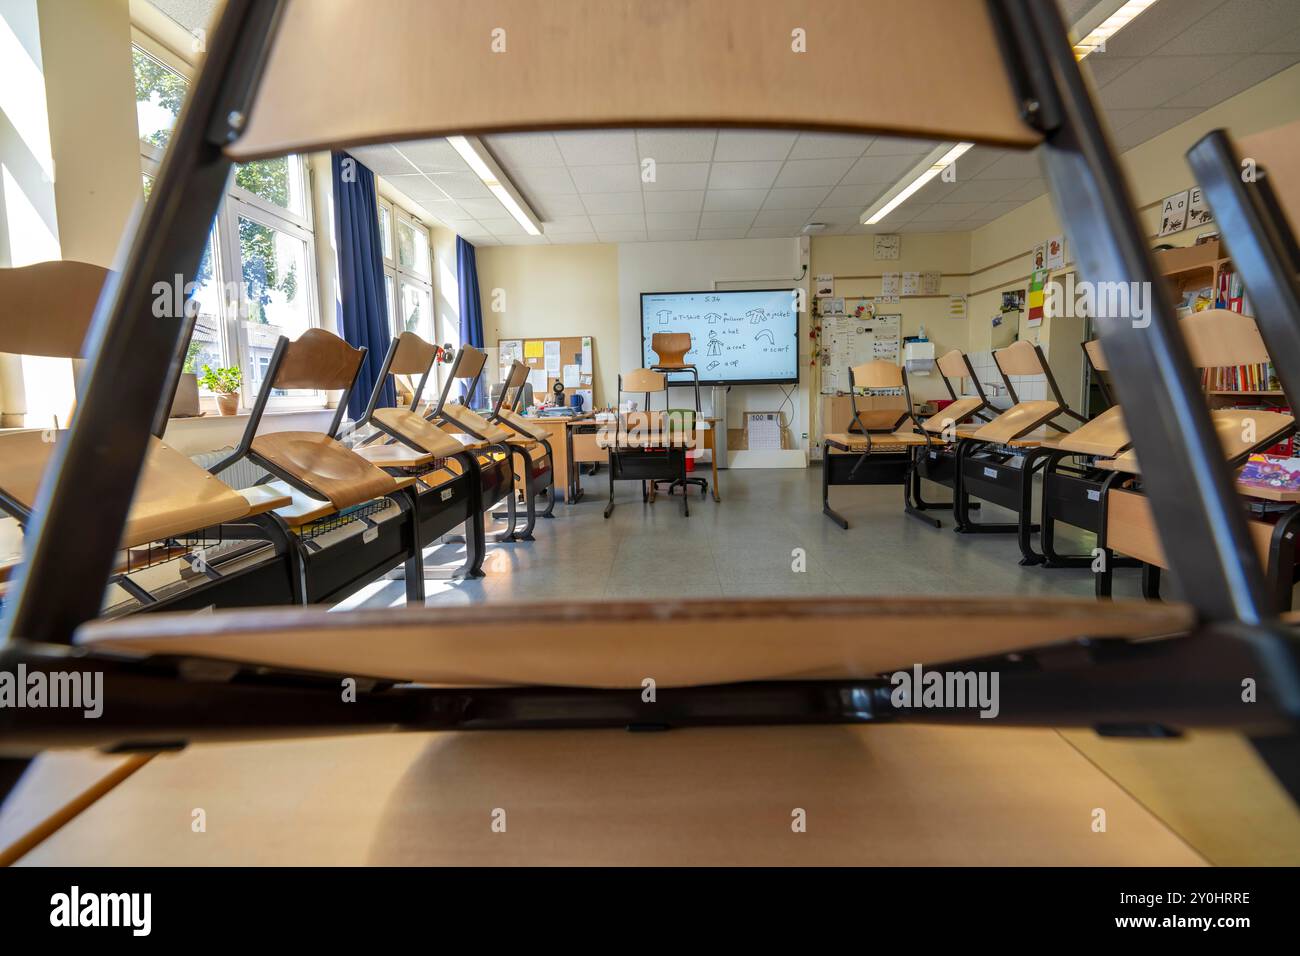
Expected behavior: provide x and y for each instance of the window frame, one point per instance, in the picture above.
(238, 202)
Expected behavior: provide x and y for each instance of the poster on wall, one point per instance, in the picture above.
(825, 286)
(956, 307)
(1198, 210)
(930, 282)
(1038, 257)
(889, 285)
(1037, 281)
(1173, 213)
(911, 283)
(1056, 253)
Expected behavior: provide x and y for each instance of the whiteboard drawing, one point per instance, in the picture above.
(757, 316)
(714, 346)
(765, 335)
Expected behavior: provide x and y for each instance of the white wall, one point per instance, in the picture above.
(702, 265)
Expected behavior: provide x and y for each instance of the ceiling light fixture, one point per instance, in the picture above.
(1096, 37)
(935, 163)
(485, 167)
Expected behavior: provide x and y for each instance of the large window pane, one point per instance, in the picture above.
(159, 93)
(412, 248)
(274, 275)
(278, 181)
(390, 302)
(416, 311)
(205, 344)
(386, 231)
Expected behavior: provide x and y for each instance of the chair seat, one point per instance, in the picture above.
(1231, 424)
(173, 497)
(1105, 435)
(524, 426)
(394, 456)
(891, 442)
(952, 414)
(617, 645)
(474, 423)
(330, 469)
(418, 431)
(1018, 420)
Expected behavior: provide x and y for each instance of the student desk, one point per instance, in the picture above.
(574, 442)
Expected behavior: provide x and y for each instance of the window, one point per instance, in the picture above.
(407, 284)
(386, 230)
(412, 247)
(257, 280)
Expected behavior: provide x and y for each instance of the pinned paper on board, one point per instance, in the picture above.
(537, 379)
(533, 348)
(586, 355)
(551, 350)
(572, 376)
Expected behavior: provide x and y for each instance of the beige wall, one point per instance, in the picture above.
(562, 290)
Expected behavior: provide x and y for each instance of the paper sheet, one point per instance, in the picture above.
(537, 379)
(533, 349)
(552, 351)
(889, 285)
(586, 355)
(571, 376)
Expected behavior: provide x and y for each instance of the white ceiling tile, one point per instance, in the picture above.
(572, 238)
(621, 236)
(783, 217)
(675, 176)
(485, 241)
(897, 146)
(802, 198)
(1287, 43)
(771, 232)
(829, 145)
(837, 215)
(1156, 26)
(996, 210)
(660, 221)
(383, 160)
(974, 161)
(566, 225)
(743, 175)
(549, 207)
(418, 187)
(1242, 76)
(860, 196)
(599, 148)
(878, 169)
(1118, 119)
(1153, 124)
(460, 185)
(813, 172)
(620, 223)
(604, 204)
(1238, 26)
(676, 145)
(503, 228)
(480, 208)
(726, 219)
(752, 145)
(543, 180)
(1012, 166)
(734, 198)
(685, 201)
(947, 212)
(670, 235)
(1101, 68)
(606, 179)
(524, 150)
(722, 233)
(1026, 190)
(433, 156)
(982, 190)
(1152, 81)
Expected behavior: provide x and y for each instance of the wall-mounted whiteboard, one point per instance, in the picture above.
(746, 337)
(848, 341)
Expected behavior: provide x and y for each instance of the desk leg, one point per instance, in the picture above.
(713, 464)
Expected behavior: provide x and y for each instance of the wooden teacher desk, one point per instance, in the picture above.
(574, 443)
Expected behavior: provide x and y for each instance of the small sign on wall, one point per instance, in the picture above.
(1173, 213)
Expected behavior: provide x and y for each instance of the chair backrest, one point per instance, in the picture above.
(1020, 358)
(466, 368)
(641, 380)
(512, 388)
(1218, 337)
(408, 354)
(671, 347)
(877, 374)
(45, 308)
(565, 83)
(954, 365)
(1096, 357)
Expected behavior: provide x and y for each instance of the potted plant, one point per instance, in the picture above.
(224, 383)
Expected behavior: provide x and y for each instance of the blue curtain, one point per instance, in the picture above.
(471, 313)
(362, 309)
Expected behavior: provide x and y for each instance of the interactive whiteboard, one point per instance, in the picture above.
(746, 337)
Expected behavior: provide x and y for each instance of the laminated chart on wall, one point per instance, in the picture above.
(849, 341)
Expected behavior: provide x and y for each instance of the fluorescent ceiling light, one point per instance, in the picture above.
(485, 167)
(1096, 36)
(938, 160)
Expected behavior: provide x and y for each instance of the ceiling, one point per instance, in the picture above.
(1174, 61)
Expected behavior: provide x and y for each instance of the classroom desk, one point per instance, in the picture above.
(574, 442)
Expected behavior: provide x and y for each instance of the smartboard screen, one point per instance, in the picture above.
(746, 337)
